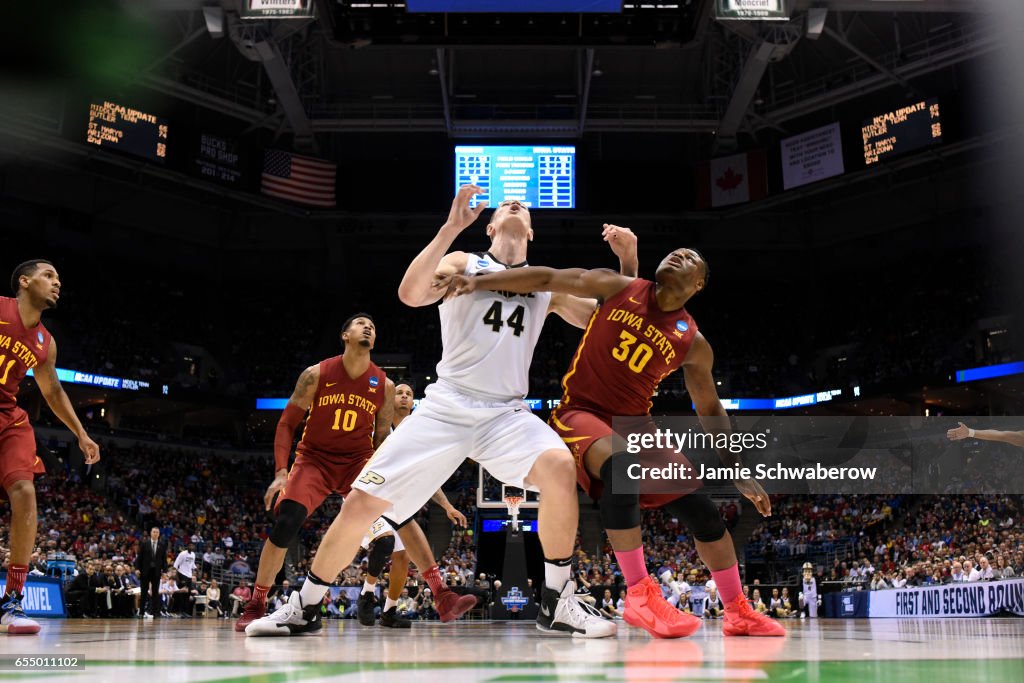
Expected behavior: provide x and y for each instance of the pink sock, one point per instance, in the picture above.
(728, 582)
(632, 564)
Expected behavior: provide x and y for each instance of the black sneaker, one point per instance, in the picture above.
(565, 614)
(546, 614)
(366, 608)
(392, 619)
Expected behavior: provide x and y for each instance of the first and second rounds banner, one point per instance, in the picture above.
(815, 455)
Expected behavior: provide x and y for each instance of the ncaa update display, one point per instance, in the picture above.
(901, 130)
(541, 177)
(115, 126)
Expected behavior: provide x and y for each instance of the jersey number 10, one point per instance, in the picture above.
(348, 423)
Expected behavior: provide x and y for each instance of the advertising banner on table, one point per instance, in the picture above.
(42, 596)
(950, 600)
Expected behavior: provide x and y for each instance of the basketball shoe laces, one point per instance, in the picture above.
(286, 613)
(581, 611)
(745, 610)
(661, 608)
(12, 606)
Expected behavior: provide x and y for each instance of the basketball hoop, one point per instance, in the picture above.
(513, 503)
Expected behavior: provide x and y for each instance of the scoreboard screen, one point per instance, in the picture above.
(115, 126)
(901, 130)
(515, 6)
(541, 177)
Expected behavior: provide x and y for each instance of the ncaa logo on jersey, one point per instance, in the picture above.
(41, 338)
(681, 328)
(483, 263)
(374, 381)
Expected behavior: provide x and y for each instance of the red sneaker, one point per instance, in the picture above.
(742, 620)
(253, 610)
(646, 608)
(451, 606)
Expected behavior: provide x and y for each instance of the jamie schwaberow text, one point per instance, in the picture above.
(775, 472)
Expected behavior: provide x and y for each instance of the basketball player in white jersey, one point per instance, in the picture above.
(381, 542)
(475, 409)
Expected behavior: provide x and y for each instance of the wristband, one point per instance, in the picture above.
(970, 432)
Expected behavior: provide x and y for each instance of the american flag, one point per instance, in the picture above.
(299, 179)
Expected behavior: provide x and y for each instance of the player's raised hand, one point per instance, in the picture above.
(462, 216)
(457, 518)
(753, 492)
(958, 433)
(90, 448)
(621, 240)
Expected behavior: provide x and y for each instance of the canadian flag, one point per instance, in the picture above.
(732, 180)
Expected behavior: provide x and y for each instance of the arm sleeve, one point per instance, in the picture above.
(285, 434)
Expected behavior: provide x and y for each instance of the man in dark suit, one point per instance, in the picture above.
(81, 593)
(151, 562)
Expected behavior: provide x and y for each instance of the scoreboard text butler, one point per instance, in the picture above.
(117, 127)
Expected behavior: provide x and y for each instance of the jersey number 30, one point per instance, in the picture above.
(495, 319)
(637, 360)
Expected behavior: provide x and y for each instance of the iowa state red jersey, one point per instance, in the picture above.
(21, 350)
(629, 346)
(344, 411)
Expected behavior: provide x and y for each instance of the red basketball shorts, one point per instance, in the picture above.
(312, 478)
(18, 459)
(580, 428)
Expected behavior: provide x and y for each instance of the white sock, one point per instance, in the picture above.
(368, 587)
(312, 593)
(389, 603)
(555, 576)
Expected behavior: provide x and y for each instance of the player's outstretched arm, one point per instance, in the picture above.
(294, 411)
(385, 416)
(700, 384)
(965, 432)
(456, 517)
(596, 284)
(577, 311)
(53, 392)
(415, 289)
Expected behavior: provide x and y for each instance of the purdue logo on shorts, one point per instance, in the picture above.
(371, 477)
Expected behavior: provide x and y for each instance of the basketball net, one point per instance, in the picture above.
(512, 503)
